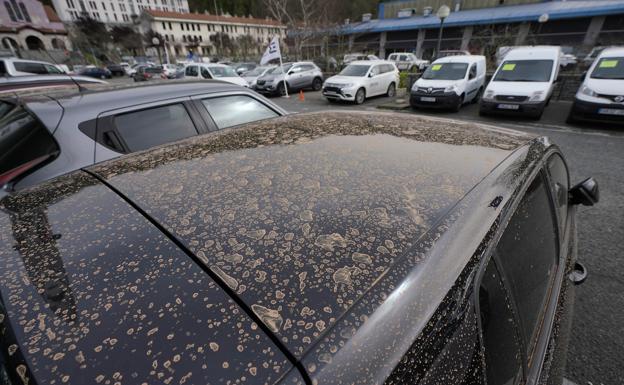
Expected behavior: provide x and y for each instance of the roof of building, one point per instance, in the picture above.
(556, 10)
(211, 18)
(51, 13)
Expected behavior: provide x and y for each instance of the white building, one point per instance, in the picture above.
(191, 32)
(114, 11)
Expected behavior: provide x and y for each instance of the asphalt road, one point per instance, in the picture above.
(596, 353)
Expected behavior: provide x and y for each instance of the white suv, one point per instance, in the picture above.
(362, 79)
(19, 67)
(406, 61)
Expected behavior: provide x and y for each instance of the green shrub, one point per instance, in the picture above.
(403, 77)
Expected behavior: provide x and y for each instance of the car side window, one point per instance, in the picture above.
(295, 70)
(374, 71)
(500, 330)
(473, 71)
(403, 58)
(52, 70)
(308, 67)
(528, 257)
(154, 126)
(33, 68)
(233, 110)
(560, 184)
(205, 73)
(191, 71)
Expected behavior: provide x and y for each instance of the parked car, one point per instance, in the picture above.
(251, 77)
(523, 83)
(149, 73)
(96, 72)
(11, 66)
(362, 79)
(592, 55)
(352, 248)
(326, 63)
(351, 57)
(116, 69)
(241, 68)
(38, 82)
(170, 70)
(49, 134)
(601, 94)
(213, 71)
(450, 82)
(406, 61)
(295, 76)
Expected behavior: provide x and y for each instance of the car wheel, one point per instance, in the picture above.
(360, 96)
(317, 84)
(281, 89)
(477, 96)
(391, 90)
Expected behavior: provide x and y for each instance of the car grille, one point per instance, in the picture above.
(511, 98)
(332, 89)
(260, 82)
(614, 98)
(430, 90)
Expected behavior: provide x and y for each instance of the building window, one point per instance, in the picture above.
(184, 38)
(163, 25)
(10, 11)
(18, 14)
(193, 27)
(170, 26)
(182, 26)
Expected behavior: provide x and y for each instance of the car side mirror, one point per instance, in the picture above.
(290, 72)
(585, 193)
(370, 75)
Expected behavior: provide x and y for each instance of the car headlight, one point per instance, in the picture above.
(588, 91)
(538, 96)
(452, 88)
(348, 85)
(269, 81)
(489, 94)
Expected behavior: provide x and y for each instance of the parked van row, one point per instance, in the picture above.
(523, 84)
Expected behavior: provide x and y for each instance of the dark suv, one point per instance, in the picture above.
(51, 133)
(325, 248)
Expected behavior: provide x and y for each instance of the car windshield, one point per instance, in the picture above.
(255, 72)
(446, 71)
(276, 70)
(525, 71)
(355, 70)
(153, 70)
(222, 72)
(609, 68)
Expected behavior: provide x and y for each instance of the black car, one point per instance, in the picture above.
(148, 73)
(96, 72)
(116, 70)
(324, 248)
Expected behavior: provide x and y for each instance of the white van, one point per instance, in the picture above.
(601, 94)
(523, 82)
(213, 71)
(449, 82)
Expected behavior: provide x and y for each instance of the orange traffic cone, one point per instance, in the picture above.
(301, 97)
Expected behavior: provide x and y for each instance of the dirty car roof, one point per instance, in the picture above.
(301, 215)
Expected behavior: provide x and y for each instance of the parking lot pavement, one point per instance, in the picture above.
(597, 344)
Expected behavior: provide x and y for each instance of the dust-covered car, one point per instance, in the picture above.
(321, 248)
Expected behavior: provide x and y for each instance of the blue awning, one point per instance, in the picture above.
(556, 10)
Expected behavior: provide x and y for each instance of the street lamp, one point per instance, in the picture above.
(443, 12)
(156, 42)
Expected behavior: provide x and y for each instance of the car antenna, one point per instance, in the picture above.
(80, 88)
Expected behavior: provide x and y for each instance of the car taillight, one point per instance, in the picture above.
(21, 169)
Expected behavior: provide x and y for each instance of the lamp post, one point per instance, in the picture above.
(443, 12)
(156, 42)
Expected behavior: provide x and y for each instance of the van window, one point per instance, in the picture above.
(525, 71)
(154, 126)
(238, 109)
(609, 68)
(403, 58)
(191, 71)
(500, 330)
(528, 256)
(392, 57)
(25, 143)
(473, 71)
(205, 73)
(446, 71)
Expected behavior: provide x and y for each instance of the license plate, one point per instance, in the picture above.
(610, 111)
(508, 106)
(427, 99)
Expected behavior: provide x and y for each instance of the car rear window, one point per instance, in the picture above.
(25, 143)
(154, 126)
(238, 109)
